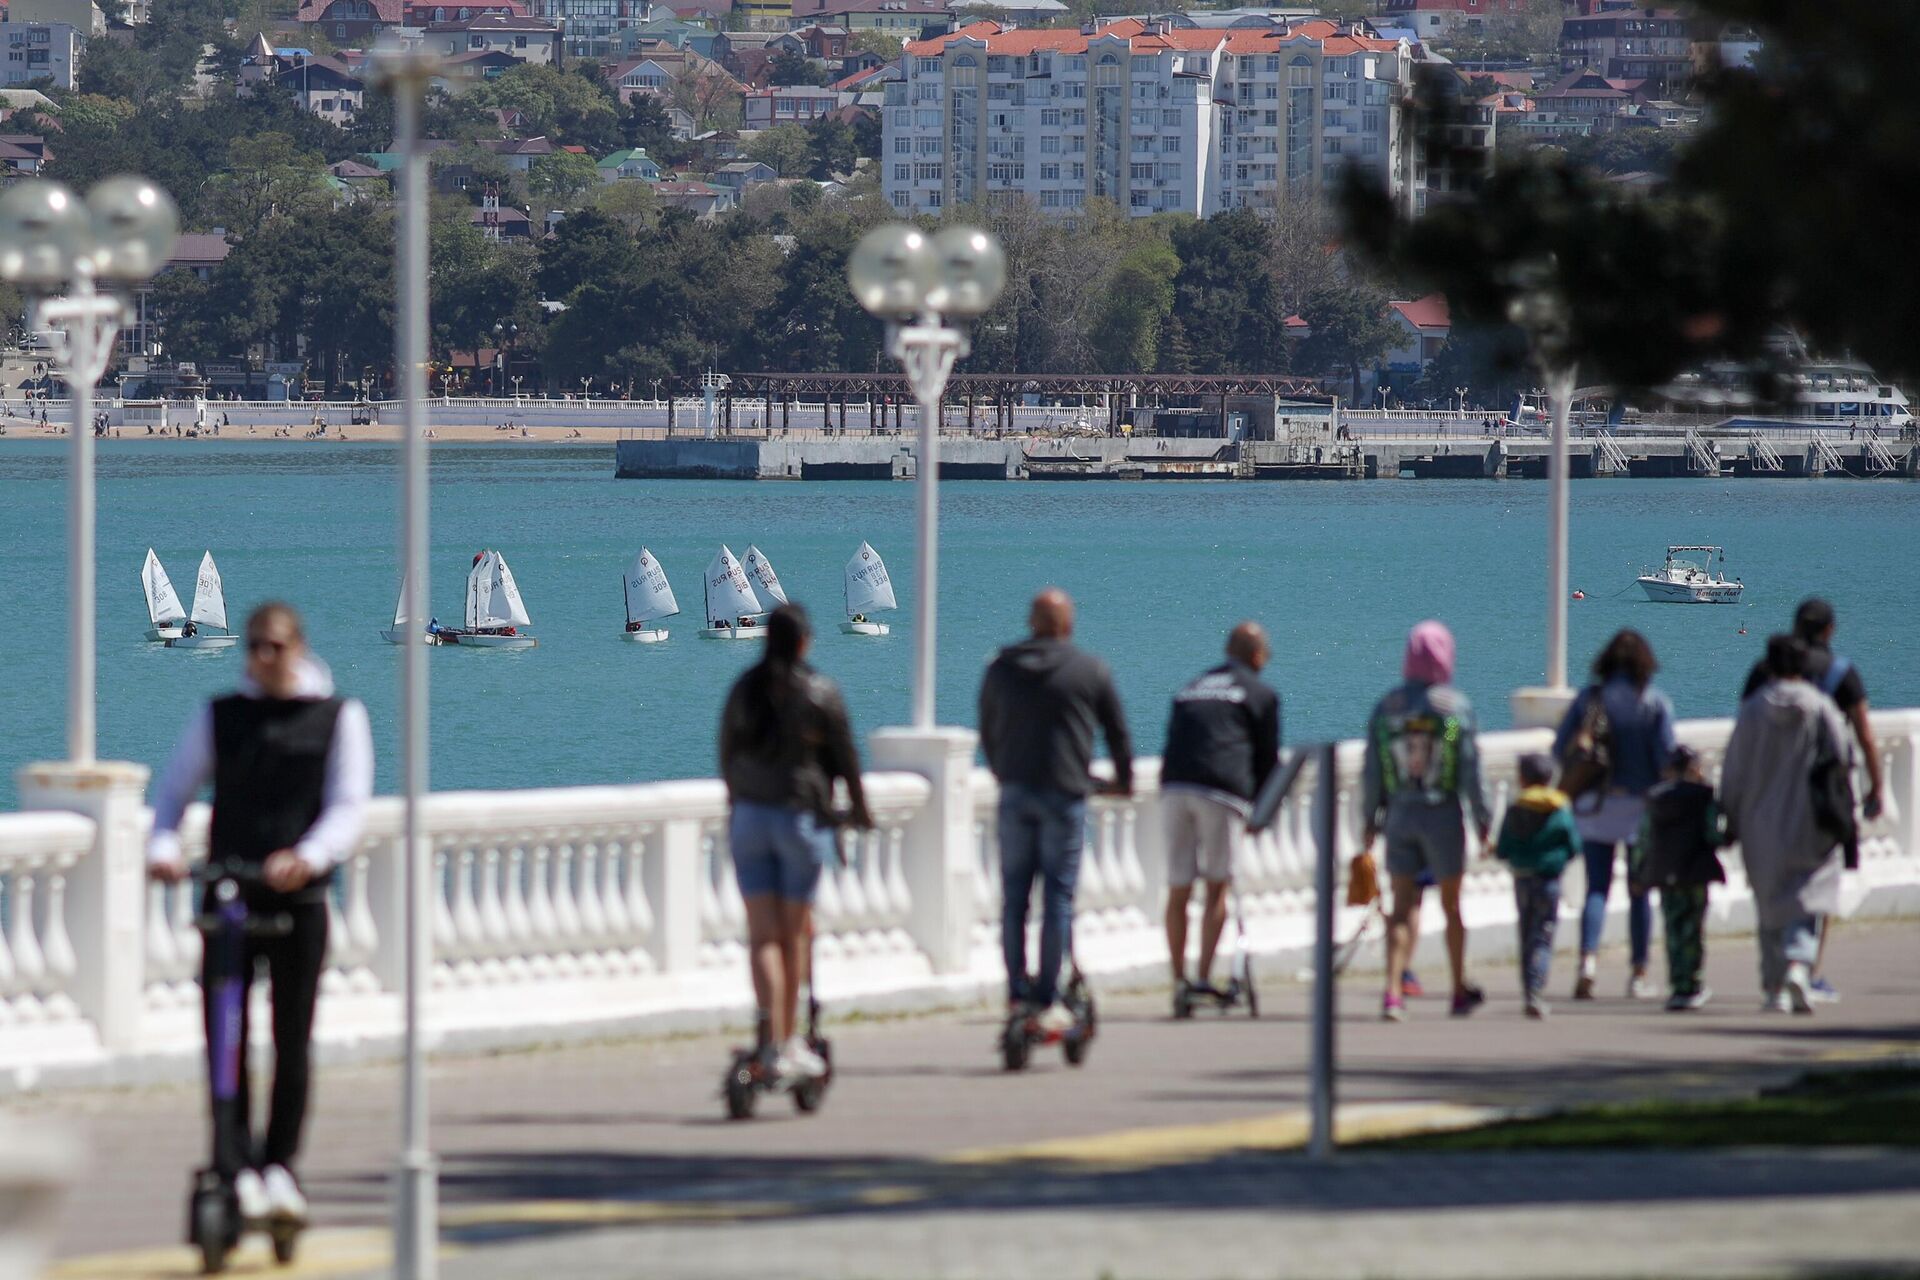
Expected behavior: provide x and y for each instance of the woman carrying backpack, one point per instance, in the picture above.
(1613, 747)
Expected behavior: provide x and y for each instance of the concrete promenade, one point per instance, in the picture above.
(1167, 1155)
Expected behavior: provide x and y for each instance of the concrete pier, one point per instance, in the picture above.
(1319, 455)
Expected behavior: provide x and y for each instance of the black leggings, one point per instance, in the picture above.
(294, 962)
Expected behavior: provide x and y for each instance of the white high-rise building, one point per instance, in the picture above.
(1152, 117)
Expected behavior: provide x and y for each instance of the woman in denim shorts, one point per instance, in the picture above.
(784, 741)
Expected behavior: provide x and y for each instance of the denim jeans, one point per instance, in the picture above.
(1537, 900)
(1795, 942)
(1593, 915)
(1041, 833)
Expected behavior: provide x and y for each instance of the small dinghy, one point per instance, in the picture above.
(495, 612)
(733, 611)
(765, 582)
(165, 617)
(397, 634)
(868, 590)
(649, 599)
(209, 610)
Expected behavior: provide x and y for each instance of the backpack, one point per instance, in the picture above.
(1831, 783)
(1587, 766)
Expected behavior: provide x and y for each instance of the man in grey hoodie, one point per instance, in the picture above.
(1040, 702)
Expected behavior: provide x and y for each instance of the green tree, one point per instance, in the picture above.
(587, 247)
(565, 106)
(1225, 293)
(633, 204)
(1349, 330)
(1125, 334)
(266, 176)
(785, 147)
(878, 43)
(565, 176)
(790, 68)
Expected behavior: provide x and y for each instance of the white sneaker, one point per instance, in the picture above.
(798, 1061)
(252, 1194)
(284, 1195)
(1640, 987)
(1776, 1002)
(1055, 1019)
(1798, 984)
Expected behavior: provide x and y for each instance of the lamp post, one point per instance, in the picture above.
(122, 234)
(1540, 308)
(917, 283)
(405, 73)
(586, 388)
(1461, 394)
(516, 387)
(1383, 393)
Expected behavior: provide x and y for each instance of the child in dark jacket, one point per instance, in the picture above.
(1679, 838)
(1537, 840)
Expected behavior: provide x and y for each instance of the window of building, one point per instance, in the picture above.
(1299, 72)
(903, 173)
(1369, 146)
(1144, 63)
(1170, 117)
(1140, 172)
(1170, 143)
(1143, 119)
(903, 146)
(1049, 199)
(1078, 173)
(1370, 121)
(1273, 118)
(899, 199)
(1050, 145)
(1137, 200)
(1050, 117)
(1049, 173)
(927, 173)
(1333, 146)
(933, 199)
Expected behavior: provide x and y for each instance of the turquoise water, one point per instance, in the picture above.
(1337, 572)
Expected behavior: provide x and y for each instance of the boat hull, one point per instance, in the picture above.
(863, 628)
(203, 642)
(158, 634)
(496, 642)
(654, 635)
(733, 633)
(1663, 592)
(400, 637)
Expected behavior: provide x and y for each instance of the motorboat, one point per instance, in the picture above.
(495, 611)
(649, 598)
(209, 610)
(165, 617)
(733, 610)
(868, 589)
(1683, 581)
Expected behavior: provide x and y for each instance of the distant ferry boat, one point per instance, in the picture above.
(1686, 582)
(1829, 394)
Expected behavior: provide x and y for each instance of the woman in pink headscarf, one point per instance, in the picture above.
(1422, 774)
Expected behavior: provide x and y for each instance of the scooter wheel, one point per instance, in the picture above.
(808, 1096)
(1182, 1006)
(1075, 1047)
(212, 1231)
(741, 1090)
(1253, 996)
(1015, 1048)
(285, 1241)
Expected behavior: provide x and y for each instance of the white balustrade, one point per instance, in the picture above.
(577, 906)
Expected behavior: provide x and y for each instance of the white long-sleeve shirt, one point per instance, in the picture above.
(347, 787)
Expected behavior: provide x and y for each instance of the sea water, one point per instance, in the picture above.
(1160, 571)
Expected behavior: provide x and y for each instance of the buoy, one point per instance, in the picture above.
(1579, 595)
(1743, 631)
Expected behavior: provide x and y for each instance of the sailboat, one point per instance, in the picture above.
(209, 610)
(868, 590)
(731, 604)
(495, 612)
(766, 583)
(649, 597)
(163, 603)
(398, 633)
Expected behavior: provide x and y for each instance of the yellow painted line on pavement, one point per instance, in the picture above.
(324, 1252)
(1283, 1131)
(600, 1212)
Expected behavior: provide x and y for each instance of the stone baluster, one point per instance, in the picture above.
(29, 966)
(678, 896)
(360, 920)
(469, 935)
(56, 946)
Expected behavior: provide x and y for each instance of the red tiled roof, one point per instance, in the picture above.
(386, 11)
(1239, 40)
(1429, 312)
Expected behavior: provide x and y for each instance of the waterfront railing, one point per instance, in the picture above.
(577, 912)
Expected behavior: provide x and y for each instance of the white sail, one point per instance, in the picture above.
(869, 589)
(209, 603)
(649, 595)
(506, 594)
(766, 583)
(400, 607)
(480, 593)
(729, 595)
(163, 604)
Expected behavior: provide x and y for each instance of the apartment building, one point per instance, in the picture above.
(1623, 42)
(40, 53)
(1151, 116)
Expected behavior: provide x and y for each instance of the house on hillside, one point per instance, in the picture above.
(629, 165)
(902, 19)
(788, 104)
(530, 40)
(464, 69)
(22, 155)
(40, 53)
(1444, 20)
(738, 175)
(1425, 325)
(502, 222)
(324, 86)
(351, 21)
(701, 199)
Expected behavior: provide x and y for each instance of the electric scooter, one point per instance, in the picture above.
(214, 1224)
(1022, 1031)
(1239, 989)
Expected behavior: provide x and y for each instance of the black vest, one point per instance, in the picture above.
(269, 774)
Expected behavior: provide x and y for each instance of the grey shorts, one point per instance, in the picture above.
(1204, 836)
(1430, 838)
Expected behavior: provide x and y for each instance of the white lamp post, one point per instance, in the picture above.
(121, 235)
(1539, 308)
(918, 282)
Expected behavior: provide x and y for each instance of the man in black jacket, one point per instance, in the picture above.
(1039, 705)
(1223, 739)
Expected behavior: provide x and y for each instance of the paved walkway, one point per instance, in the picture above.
(1167, 1155)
